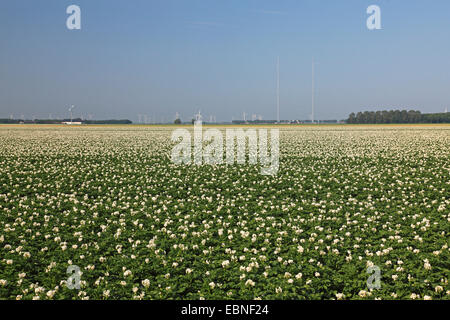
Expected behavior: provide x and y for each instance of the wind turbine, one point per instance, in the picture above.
(198, 117)
(70, 110)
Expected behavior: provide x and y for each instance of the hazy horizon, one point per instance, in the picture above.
(157, 58)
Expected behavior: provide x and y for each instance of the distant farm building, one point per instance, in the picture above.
(72, 122)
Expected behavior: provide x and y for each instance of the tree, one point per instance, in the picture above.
(177, 121)
(351, 118)
(398, 116)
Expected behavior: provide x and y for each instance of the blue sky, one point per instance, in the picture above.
(161, 57)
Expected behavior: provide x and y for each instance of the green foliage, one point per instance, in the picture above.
(139, 227)
(397, 116)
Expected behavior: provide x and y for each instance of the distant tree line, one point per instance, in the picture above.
(53, 121)
(281, 121)
(398, 116)
(113, 121)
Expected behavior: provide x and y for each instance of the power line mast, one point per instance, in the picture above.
(312, 93)
(278, 89)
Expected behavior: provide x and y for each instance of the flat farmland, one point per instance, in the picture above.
(108, 200)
